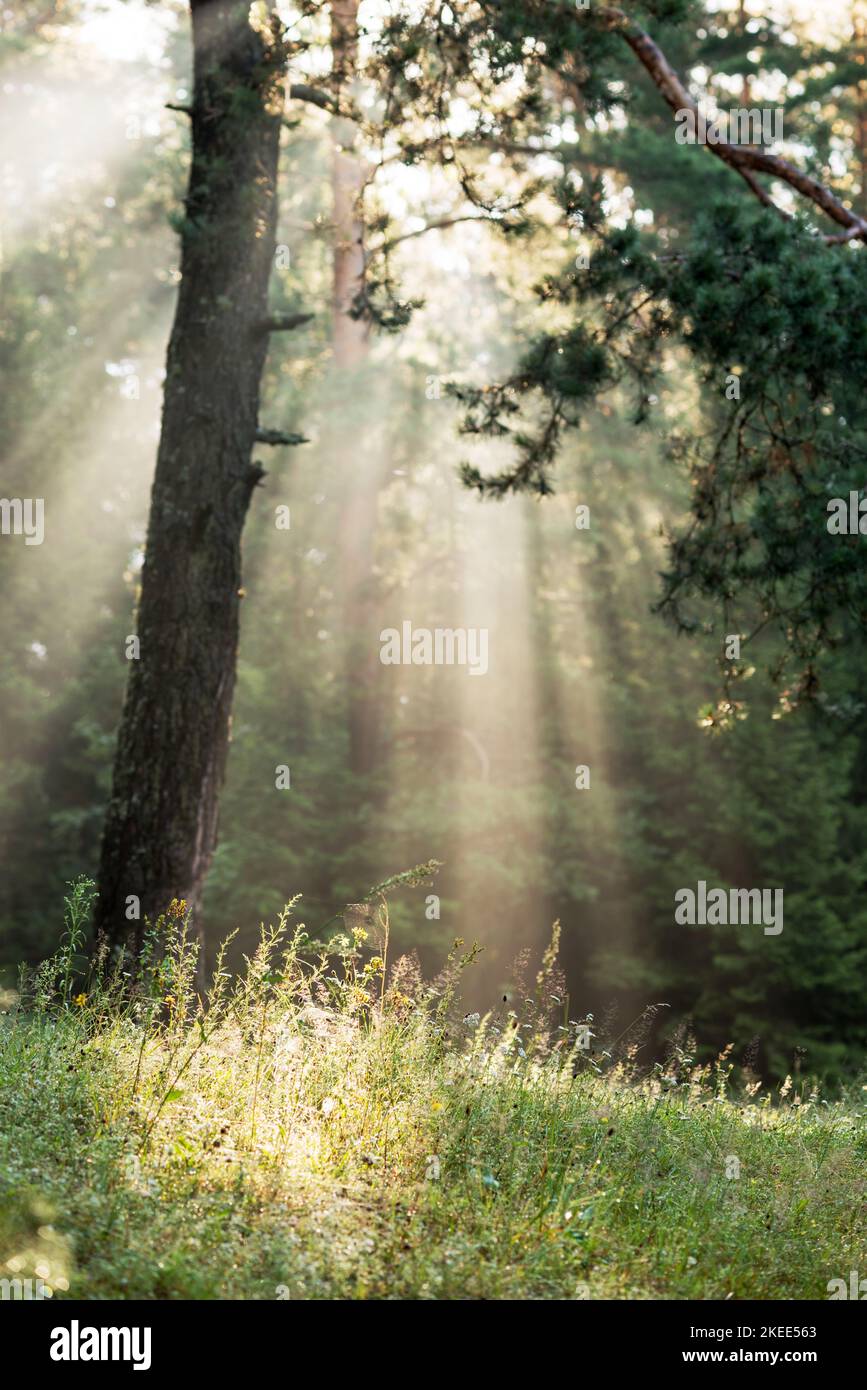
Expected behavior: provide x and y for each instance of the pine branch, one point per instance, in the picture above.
(743, 159)
(438, 226)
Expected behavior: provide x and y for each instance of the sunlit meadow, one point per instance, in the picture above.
(329, 1126)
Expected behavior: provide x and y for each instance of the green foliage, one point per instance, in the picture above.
(286, 1138)
(748, 291)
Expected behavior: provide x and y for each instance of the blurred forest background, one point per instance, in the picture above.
(393, 766)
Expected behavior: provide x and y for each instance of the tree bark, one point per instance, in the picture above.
(349, 335)
(161, 823)
(363, 482)
(364, 465)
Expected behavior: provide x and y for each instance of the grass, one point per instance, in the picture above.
(327, 1127)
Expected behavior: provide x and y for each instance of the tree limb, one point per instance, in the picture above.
(437, 226)
(315, 96)
(743, 159)
(282, 323)
(278, 437)
(301, 91)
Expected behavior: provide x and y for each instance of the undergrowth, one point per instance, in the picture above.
(327, 1125)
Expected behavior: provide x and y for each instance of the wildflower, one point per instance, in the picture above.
(472, 1020)
(376, 963)
(80, 1000)
(178, 907)
(432, 1171)
(328, 1105)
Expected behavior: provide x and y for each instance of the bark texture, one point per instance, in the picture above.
(349, 336)
(161, 823)
(365, 467)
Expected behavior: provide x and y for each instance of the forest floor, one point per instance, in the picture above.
(277, 1146)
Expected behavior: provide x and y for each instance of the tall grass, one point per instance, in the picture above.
(322, 1125)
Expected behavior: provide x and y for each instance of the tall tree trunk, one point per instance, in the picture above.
(349, 336)
(161, 823)
(361, 599)
(365, 463)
